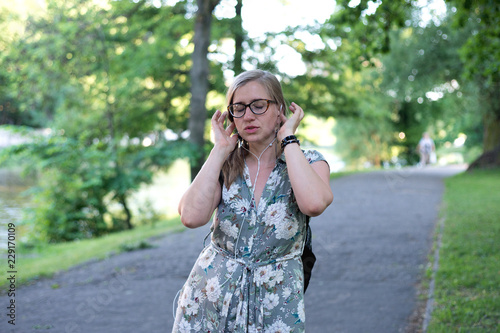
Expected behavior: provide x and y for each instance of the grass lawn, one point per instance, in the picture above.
(44, 261)
(467, 294)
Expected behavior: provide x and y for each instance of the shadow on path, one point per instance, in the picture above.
(371, 243)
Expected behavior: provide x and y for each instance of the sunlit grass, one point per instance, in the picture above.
(467, 291)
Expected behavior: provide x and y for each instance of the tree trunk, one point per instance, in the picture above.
(128, 215)
(199, 80)
(490, 158)
(376, 158)
(491, 123)
(491, 132)
(238, 40)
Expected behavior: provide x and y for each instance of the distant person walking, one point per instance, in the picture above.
(425, 148)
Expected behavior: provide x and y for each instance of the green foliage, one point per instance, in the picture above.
(108, 79)
(367, 27)
(81, 59)
(423, 75)
(78, 183)
(481, 56)
(345, 80)
(481, 52)
(387, 77)
(467, 295)
(367, 136)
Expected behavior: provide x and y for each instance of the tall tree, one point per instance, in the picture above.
(199, 80)
(108, 79)
(370, 25)
(481, 55)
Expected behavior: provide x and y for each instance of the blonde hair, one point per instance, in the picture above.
(235, 163)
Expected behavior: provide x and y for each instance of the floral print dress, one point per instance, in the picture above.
(250, 278)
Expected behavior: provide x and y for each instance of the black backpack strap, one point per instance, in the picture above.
(308, 257)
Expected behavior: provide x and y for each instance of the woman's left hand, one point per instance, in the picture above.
(290, 124)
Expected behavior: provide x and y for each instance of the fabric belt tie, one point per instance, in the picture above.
(244, 282)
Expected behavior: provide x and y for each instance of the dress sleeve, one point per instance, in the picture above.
(313, 156)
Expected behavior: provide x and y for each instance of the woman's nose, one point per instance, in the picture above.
(249, 115)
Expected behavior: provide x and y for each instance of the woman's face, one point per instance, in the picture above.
(255, 128)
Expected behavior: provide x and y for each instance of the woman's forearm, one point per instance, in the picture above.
(203, 195)
(310, 182)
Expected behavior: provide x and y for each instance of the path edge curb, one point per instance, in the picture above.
(435, 266)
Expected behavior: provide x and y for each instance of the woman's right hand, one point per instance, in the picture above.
(224, 139)
(198, 203)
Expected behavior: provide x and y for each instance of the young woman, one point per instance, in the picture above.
(262, 187)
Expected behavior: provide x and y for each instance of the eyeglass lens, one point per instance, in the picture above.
(257, 107)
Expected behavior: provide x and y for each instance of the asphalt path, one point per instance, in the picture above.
(372, 245)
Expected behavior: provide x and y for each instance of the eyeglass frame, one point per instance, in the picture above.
(269, 101)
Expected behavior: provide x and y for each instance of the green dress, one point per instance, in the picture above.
(250, 278)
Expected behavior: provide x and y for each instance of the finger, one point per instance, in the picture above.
(230, 128)
(215, 120)
(223, 117)
(216, 115)
(218, 121)
(299, 111)
(297, 108)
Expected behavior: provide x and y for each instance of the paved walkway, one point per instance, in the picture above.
(371, 243)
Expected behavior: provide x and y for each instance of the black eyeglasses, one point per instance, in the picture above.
(237, 110)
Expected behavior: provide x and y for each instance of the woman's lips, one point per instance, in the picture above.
(251, 129)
